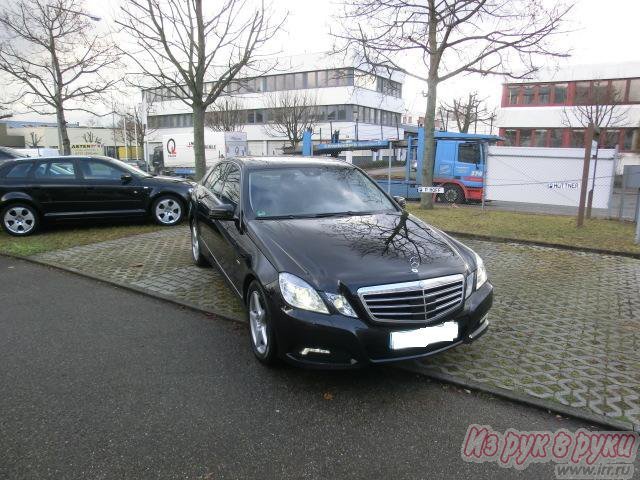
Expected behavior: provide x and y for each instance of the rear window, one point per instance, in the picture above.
(19, 170)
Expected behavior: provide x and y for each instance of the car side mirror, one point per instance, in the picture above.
(400, 201)
(126, 178)
(224, 211)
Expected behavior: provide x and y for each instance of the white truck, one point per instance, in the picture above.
(179, 158)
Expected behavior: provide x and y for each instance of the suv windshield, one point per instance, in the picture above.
(314, 191)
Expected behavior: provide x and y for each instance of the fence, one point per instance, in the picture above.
(548, 180)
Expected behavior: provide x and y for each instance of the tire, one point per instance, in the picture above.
(20, 219)
(196, 252)
(452, 194)
(167, 210)
(261, 334)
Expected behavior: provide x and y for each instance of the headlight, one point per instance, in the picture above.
(342, 305)
(298, 293)
(481, 272)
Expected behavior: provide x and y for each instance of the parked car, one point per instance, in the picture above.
(37, 190)
(333, 271)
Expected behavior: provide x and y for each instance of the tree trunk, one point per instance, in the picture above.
(428, 159)
(65, 148)
(198, 139)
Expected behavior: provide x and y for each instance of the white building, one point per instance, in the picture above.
(543, 112)
(358, 105)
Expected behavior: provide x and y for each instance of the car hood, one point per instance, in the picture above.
(358, 250)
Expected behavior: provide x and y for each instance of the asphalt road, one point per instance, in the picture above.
(99, 382)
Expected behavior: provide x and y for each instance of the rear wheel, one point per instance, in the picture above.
(19, 219)
(167, 210)
(452, 194)
(262, 336)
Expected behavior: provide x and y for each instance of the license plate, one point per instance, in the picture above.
(423, 337)
(431, 189)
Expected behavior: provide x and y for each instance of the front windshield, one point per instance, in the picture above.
(314, 190)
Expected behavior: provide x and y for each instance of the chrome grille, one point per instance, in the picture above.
(417, 302)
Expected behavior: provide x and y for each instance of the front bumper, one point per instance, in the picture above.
(353, 342)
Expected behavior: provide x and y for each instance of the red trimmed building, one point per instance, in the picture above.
(534, 113)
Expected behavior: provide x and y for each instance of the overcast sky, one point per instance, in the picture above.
(602, 31)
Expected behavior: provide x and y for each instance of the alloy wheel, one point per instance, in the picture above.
(195, 245)
(257, 317)
(19, 220)
(168, 211)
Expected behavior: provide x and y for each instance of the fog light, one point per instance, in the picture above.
(306, 351)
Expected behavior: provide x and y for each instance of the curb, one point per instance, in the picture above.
(413, 367)
(126, 286)
(559, 246)
(523, 398)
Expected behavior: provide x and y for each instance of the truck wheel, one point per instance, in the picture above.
(452, 194)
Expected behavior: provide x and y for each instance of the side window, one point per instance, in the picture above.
(231, 189)
(94, 170)
(19, 170)
(55, 170)
(215, 180)
(469, 153)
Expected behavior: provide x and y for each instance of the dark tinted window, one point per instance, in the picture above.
(231, 189)
(57, 170)
(19, 170)
(469, 153)
(93, 170)
(307, 191)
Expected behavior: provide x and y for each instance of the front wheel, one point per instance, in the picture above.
(167, 210)
(452, 194)
(196, 253)
(262, 337)
(19, 219)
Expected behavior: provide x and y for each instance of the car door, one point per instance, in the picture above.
(107, 192)
(208, 195)
(58, 188)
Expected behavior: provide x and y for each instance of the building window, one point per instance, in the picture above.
(540, 138)
(525, 137)
(609, 138)
(527, 95)
(544, 94)
(600, 92)
(634, 90)
(618, 90)
(289, 81)
(577, 139)
(513, 95)
(510, 138)
(628, 143)
(582, 93)
(322, 79)
(560, 93)
(555, 137)
(311, 80)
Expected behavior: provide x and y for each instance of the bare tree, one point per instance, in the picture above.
(132, 122)
(226, 116)
(5, 112)
(602, 106)
(91, 138)
(291, 113)
(466, 111)
(193, 53)
(34, 140)
(58, 60)
(436, 40)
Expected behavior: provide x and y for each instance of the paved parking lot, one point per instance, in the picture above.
(565, 325)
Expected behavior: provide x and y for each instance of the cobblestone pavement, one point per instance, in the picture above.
(565, 325)
(159, 262)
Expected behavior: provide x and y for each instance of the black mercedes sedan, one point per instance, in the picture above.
(37, 190)
(334, 273)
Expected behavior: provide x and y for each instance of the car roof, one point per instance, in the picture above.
(60, 157)
(287, 161)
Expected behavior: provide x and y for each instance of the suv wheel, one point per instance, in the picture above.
(19, 219)
(262, 336)
(167, 210)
